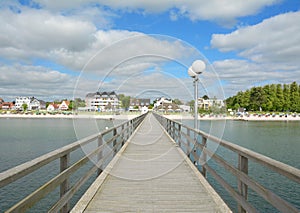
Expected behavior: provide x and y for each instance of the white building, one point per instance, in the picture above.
(161, 101)
(31, 102)
(102, 101)
(52, 107)
(185, 108)
(207, 104)
(64, 105)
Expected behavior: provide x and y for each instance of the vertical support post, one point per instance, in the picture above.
(242, 187)
(131, 127)
(173, 131)
(188, 142)
(114, 141)
(100, 155)
(196, 103)
(127, 130)
(179, 135)
(64, 186)
(167, 125)
(123, 135)
(203, 155)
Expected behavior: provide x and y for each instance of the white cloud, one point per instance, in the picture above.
(225, 11)
(271, 49)
(36, 81)
(275, 40)
(71, 42)
(239, 75)
(35, 33)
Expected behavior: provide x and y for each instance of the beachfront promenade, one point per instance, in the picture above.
(152, 164)
(151, 174)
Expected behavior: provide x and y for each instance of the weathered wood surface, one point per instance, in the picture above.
(150, 174)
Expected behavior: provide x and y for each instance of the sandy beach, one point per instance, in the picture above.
(84, 116)
(237, 118)
(170, 116)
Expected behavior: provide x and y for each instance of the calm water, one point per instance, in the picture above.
(24, 139)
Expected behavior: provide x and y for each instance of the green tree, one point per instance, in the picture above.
(191, 104)
(205, 97)
(177, 101)
(269, 97)
(125, 101)
(294, 97)
(25, 107)
(279, 98)
(286, 97)
(257, 98)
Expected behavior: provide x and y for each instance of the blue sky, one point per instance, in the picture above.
(61, 49)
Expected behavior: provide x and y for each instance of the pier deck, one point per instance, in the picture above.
(150, 174)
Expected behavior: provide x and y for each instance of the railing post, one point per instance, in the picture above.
(64, 186)
(242, 187)
(203, 156)
(173, 131)
(188, 132)
(100, 154)
(114, 141)
(167, 125)
(179, 135)
(131, 127)
(123, 135)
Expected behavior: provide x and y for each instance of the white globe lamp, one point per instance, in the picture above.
(198, 67)
(192, 73)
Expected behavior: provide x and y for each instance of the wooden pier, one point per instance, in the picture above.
(151, 164)
(151, 174)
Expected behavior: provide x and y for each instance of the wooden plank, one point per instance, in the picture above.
(64, 186)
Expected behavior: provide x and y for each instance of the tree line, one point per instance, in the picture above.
(271, 97)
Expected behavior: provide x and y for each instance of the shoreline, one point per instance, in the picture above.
(234, 118)
(170, 116)
(61, 116)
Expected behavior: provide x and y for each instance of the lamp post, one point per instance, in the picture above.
(194, 71)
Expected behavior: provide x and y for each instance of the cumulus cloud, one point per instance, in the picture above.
(72, 42)
(35, 33)
(239, 75)
(225, 11)
(270, 50)
(275, 40)
(35, 81)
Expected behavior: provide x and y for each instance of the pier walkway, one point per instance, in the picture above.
(150, 174)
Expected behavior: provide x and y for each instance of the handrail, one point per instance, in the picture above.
(194, 147)
(118, 135)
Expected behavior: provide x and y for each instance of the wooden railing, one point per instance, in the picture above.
(188, 139)
(115, 137)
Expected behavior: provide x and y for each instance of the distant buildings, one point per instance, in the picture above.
(52, 107)
(6, 105)
(166, 105)
(161, 101)
(31, 102)
(139, 104)
(63, 106)
(209, 103)
(102, 101)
